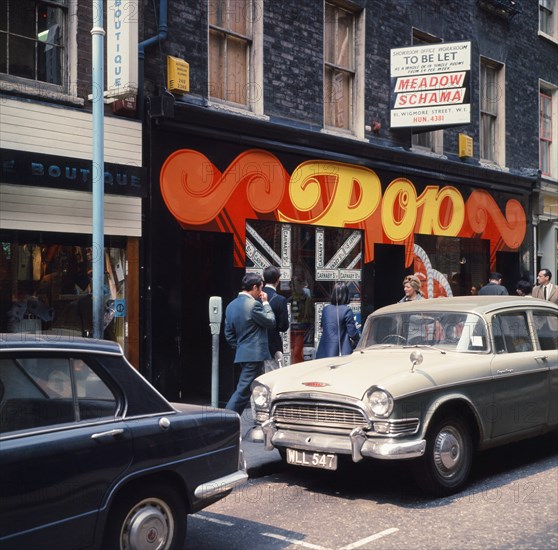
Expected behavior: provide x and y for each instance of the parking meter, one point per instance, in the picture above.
(215, 316)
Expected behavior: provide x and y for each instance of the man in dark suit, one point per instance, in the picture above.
(494, 286)
(278, 304)
(247, 320)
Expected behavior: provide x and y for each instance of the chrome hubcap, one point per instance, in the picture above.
(149, 526)
(448, 451)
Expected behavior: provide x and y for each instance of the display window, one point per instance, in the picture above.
(311, 259)
(45, 282)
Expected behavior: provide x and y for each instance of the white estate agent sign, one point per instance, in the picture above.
(122, 48)
(430, 85)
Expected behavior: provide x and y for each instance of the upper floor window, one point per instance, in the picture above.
(548, 131)
(492, 105)
(548, 19)
(343, 68)
(235, 62)
(33, 39)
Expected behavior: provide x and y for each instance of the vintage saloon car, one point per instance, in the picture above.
(92, 456)
(431, 380)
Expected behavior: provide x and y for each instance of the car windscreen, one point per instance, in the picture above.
(453, 331)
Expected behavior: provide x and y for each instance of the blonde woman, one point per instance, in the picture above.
(411, 288)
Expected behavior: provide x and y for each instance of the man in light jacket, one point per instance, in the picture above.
(544, 288)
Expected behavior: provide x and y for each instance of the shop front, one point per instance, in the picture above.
(46, 249)
(337, 211)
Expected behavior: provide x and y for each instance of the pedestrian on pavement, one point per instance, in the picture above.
(475, 289)
(544, 288)
(278, 304)
(339, 332)
(494, 286)
(411, 288)
(247, 320)
(523, 288)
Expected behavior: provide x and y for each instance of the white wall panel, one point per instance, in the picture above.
(67, 132)
(44, 209)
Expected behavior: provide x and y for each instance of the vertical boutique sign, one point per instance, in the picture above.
(122, 48)
(430, 85)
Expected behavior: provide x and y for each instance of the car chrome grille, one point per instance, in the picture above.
(319, 414)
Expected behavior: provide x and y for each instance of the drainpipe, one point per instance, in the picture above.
(163, 27)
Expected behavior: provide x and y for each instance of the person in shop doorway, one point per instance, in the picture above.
(523, 288)
(247, 319)
(475, 289)
(278, 304)
(339, 332)
(411, 289)
(494, 286)
(544, 288)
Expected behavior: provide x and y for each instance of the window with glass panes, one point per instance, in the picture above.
(545, 138)
(230, 40)
(490, 99)
(339, 67)
(547, 17)
(33, 39)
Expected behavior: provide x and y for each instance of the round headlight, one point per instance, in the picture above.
(261, 396)
(380, 402)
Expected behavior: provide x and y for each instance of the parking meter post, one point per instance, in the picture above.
(215, 315)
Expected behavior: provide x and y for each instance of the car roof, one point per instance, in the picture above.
(472, 304)
(44, 341)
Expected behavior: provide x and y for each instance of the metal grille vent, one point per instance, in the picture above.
(319, 415)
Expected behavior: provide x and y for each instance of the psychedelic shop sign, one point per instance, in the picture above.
(331, 194)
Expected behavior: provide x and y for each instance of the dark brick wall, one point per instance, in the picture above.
(293, 62)
(84, 58)
(187, 39)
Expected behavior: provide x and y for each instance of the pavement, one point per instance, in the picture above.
(259, 461)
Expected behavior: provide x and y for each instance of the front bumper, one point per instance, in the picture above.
(357, 444)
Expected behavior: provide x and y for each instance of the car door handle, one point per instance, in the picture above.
(542, 358)
(110, 433)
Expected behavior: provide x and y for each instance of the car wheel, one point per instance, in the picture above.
(445, 467)
(151, 517)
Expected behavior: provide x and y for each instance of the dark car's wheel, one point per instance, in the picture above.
(445, 467)
(151, 517)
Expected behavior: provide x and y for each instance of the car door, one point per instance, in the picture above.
(545, 322)
(520, 377)
(62, 447)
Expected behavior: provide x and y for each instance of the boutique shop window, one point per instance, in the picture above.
(46, 287)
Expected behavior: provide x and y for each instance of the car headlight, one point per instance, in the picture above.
(379, 401)
(260, 396)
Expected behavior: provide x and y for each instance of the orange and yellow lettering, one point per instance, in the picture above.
(399, 209)
(333, 194)
(443, 211)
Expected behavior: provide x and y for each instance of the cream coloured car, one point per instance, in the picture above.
(432, 380)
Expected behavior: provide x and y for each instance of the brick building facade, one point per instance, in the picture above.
(284, 147)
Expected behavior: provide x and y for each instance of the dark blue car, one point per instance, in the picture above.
(92, 456)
